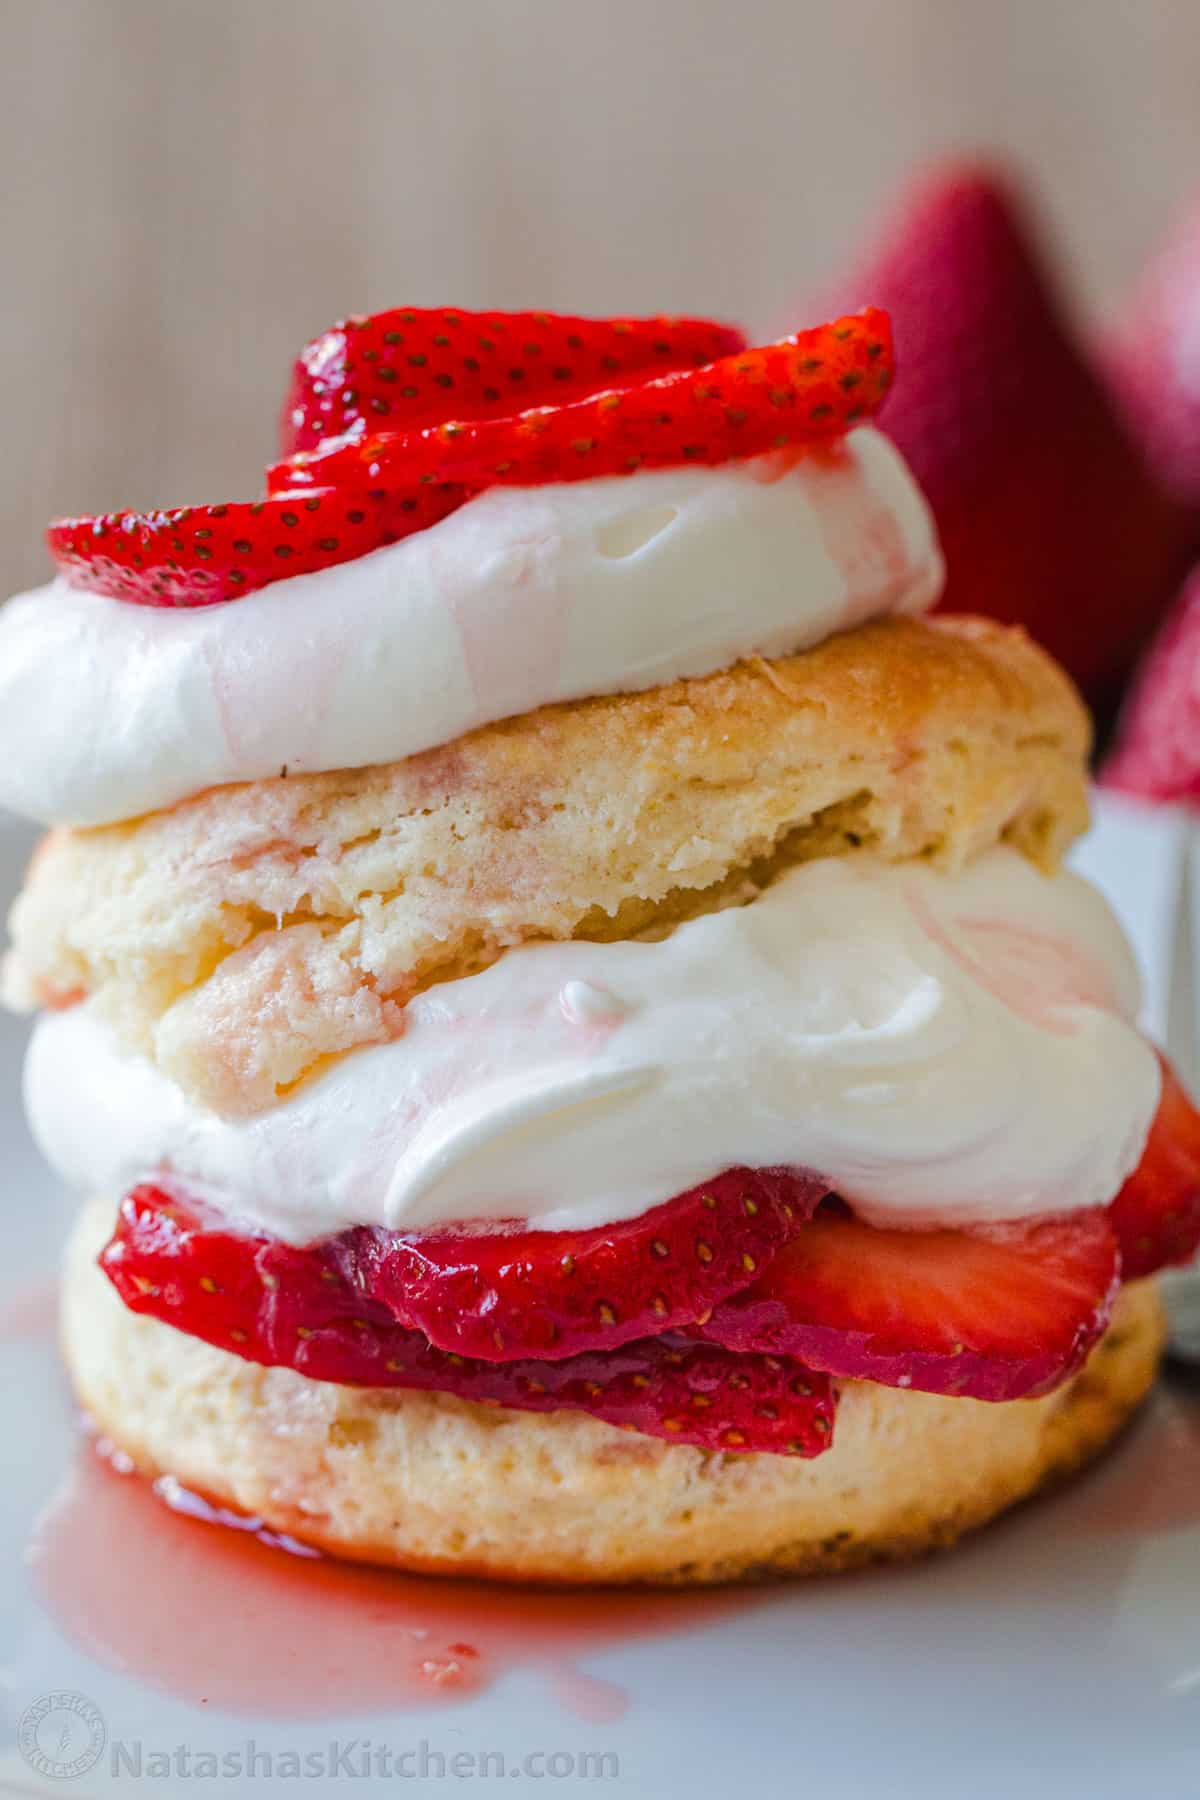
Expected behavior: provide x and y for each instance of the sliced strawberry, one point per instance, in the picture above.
(1158, 737)
(413, 366)
(199, 555)
(1152, 362)
(995, 1315)
(361, 497)
(274, 1304)
(502, 1295)
(1156, 1215)
(1048, 514)
(809, 387)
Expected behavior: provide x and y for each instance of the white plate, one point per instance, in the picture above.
(1057, 1654)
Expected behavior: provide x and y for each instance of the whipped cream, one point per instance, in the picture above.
(521, 598)
(943, 1049)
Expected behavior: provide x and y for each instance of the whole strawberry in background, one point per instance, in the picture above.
(1152, 360)
(1049, 514)
(1158, 741)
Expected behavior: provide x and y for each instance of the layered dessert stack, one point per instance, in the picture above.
(561, 993)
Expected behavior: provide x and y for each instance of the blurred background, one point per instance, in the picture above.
(193, 187)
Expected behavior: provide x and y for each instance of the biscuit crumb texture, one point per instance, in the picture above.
(244, 936)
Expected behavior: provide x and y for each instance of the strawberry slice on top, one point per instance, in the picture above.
(804, 389)
(999, 1314)
(327, 509)
(275, 1304)
(202, 555)
(412, 366)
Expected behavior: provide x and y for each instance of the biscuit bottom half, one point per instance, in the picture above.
(431, 1483)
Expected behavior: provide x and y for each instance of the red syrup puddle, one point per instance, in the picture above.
(212, 1608)
(31, 1312)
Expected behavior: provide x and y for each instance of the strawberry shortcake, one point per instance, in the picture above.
(560, 996)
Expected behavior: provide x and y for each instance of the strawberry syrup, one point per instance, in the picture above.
(217, 1611)
(212, 1607)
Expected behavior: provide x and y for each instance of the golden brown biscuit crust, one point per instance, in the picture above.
(431, 1483)
(247, 933)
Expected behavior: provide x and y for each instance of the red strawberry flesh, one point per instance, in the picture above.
(1156, 1216)
(271, 1303)
(806, 389)
(996, 1315)
(201, 555)
(412, 366)
(502, 1295)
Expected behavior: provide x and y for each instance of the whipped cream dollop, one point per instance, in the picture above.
(521, 598)
(943, 1049)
